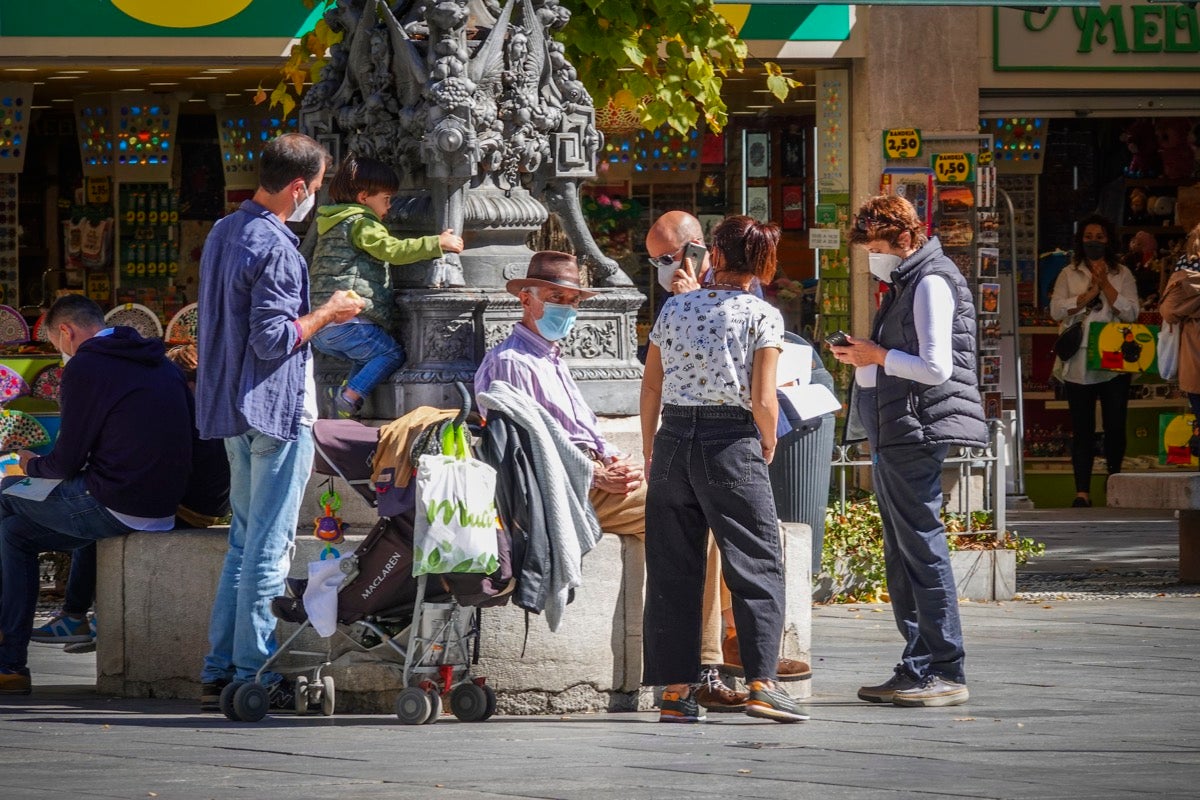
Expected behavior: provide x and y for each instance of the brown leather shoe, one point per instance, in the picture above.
(788, 669)
(713, 694)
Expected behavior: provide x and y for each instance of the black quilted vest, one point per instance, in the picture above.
(918, 413)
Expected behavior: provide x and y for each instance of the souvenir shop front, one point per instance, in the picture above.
(1091, 110)
(126, 131)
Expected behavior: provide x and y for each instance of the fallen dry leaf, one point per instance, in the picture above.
(964, 719)
(743, 772)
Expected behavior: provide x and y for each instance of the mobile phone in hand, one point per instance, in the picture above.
(695, 252)
(837, 339)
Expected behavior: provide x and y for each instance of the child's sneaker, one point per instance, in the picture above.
(63, 630)
(680, 709)
(772, 703)
(342, 407)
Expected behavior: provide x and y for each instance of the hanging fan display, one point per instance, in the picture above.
(20, 431)
(13, 327)
(40, 332)
(138, 317)
(47, 384)
(182, 327)
(12, 385)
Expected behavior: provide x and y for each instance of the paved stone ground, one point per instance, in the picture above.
(1070, 699)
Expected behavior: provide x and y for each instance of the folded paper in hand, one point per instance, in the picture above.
(37, 489)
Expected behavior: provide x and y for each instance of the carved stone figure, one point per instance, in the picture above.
(463, 96)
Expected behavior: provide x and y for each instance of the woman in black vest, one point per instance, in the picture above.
(916, 396)
(1094, 287)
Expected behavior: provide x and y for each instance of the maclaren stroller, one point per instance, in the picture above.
(380, 604)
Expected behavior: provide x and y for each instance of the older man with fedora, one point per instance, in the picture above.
(530, 359)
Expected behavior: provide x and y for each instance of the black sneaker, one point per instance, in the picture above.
(884, 692)
(680, 709)
(210, 694)
(289, 609)
(772, 703)
(282, 695)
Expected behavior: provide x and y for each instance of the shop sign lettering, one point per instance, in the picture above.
(1118, 37)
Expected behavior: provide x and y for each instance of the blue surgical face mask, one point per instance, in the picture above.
(557, 321)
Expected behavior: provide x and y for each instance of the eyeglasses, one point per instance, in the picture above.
(864, 222)
(666, 260)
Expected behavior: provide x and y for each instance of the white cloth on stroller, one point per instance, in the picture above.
(320, 596)
(565, 476)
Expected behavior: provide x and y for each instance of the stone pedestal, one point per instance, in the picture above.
(447, 331)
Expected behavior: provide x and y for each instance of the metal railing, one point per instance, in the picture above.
(988, 461)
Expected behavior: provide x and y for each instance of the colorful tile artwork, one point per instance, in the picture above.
(243, 134)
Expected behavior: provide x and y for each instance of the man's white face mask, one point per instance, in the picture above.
(303, 207)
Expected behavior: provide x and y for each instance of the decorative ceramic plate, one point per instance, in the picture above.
(19, 431)
(40, 332)
(48, 383)
(12, 325)
(138, 317)
(12, 385)
(182, 327)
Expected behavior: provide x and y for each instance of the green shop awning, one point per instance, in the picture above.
(1009, 3)
(156, 18)
(790, 22)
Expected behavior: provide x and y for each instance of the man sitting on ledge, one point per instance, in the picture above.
(121, 463)
(530, 359)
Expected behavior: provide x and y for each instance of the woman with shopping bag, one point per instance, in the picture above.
(1180, 307)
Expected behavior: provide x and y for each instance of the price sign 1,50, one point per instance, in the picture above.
(953, 167)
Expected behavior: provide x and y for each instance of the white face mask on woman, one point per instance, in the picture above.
(882, 265)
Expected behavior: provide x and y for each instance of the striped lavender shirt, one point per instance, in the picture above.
(533, 365)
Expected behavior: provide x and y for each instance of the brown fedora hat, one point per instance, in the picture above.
(553, 270)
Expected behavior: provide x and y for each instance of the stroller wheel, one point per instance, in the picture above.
(226, 701)
(435, 706)
(412, 705)
(469, 703)
(250, 702)
(491, 702)
(328, 695)
(301, 694)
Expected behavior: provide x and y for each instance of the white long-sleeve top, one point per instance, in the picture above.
(933, 313)
(1074, 281)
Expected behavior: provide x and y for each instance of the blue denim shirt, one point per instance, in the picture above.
(253, 286)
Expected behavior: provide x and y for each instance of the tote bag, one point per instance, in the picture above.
(1168, 351)
(455, 527)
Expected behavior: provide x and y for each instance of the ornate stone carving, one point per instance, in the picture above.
(476, 105)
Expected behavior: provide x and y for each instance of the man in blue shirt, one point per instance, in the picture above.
(255, 389)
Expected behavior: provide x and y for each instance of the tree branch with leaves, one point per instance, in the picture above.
(665, 58)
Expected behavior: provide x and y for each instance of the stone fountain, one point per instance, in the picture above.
(477, 109)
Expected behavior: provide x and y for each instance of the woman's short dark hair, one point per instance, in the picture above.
(361, 175)
(290, 156)
(745, 245)
(884, 218)
(1110, 233)
(74, 309)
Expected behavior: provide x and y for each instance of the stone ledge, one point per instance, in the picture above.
(1172, 491)
(155, 593)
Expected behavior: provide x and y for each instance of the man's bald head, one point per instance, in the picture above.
(672, 231)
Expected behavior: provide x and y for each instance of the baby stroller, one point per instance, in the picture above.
(380, 603)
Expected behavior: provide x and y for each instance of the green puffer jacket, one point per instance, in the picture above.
(354, 251)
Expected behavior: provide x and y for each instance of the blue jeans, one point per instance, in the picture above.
(267, 477)
(920, 581)
(81, 581)
(67, 519)
(375, 354)
(707, 472)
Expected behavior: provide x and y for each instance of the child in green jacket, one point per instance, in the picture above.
(354, 252)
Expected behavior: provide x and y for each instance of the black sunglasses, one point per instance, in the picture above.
(665, 260)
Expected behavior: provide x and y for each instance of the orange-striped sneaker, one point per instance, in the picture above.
(772, 703)
(674, 708)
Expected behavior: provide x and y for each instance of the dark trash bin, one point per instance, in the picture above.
(801, 468)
